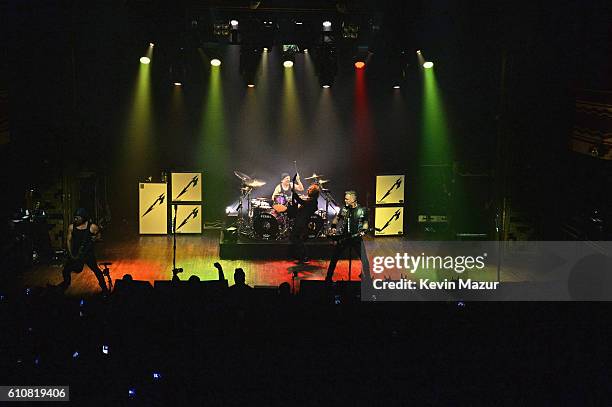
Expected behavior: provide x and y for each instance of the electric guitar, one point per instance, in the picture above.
(338, 239)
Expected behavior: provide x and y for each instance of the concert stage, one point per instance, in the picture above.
(149, 258)
(259, 249)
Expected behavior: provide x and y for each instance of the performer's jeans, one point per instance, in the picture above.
(298, 244)
(76, 266)
(356, 246)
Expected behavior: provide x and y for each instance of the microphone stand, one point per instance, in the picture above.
(350, 246)
(174, 270)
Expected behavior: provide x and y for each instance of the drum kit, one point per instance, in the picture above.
(269, 219)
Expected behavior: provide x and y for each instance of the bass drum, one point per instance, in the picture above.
(315, 226)
(266, 225)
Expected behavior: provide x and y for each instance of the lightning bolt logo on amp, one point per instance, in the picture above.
(158, 201)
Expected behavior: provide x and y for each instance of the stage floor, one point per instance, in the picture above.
(150, 258)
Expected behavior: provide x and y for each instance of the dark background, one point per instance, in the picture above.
(71, 67)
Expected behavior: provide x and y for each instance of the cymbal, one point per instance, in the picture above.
(254, 183)
(242, 176)
(314, 176)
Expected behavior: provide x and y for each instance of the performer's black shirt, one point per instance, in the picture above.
(79, 236)
(353, 219)
(307, 208)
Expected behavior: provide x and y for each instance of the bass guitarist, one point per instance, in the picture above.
(82, 235)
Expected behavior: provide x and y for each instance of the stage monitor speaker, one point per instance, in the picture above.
(188, 218)
(390, 189)
(153, 208)
(389, 221)
(315, 290)
(132, 287)
(186, 187)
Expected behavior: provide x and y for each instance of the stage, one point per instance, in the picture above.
(259, 249)
(149, 258)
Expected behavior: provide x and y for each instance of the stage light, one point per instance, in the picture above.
(326, 24)
(151, 45)
(75, 355)
(359, 64)
(105, 349)
(428, 65)
(325, 86)
(82, 302)
(396, 86)
(145, 60)
(215, 62)
(234, 24)
(418, 51)
(350, 31)
(156, 375)
(131, 392)
(251, 85)
(298, 23)
(265, 49)
(178, 84)
(305, 50)
(288, 64)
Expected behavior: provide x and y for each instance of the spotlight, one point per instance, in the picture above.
(178, 84)
(288, 55)
(75, 355)
(105, 349)
(396, 86)
(234, 24)
(326, 24)
(265, 49)
(156, 376)
(151, 45)
(428, 65)
(145, 60)
(131, 392)
(325, 86)
(359, 64)
(215, 62)
(418, 51)
(305, 50)
(251, 85)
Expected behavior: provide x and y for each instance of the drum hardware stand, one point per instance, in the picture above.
(328, 199)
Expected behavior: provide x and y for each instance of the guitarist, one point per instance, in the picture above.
(82, 235)
(354, 221)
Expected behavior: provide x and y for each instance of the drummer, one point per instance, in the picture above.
(284, 188)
